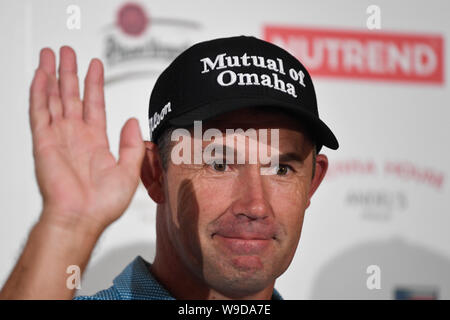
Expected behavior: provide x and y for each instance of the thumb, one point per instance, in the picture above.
(131, 148)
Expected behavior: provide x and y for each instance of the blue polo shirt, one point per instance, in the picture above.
(136, 282)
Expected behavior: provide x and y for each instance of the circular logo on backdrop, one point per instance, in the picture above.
(129, 38)
(132, 19)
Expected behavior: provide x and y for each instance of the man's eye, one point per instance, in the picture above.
(221, 167)
(283, 169)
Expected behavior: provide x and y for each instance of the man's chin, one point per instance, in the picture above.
(247, 263)
(239, 276)
(240, 287)
(243, 255)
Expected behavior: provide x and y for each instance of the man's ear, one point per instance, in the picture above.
(152, 172)
(319, 174)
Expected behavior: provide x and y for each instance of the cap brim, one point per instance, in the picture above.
(322, 134)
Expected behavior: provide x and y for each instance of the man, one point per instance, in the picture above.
(226, 229)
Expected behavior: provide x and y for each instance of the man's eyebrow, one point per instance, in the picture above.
(225, 149)
(290, 157)
(282, 157)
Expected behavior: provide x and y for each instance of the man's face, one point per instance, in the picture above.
(233, 228)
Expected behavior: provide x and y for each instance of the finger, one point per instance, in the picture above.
(68, 84)
(54, 102)
(38, 111)
(47, 61)
(94, 98)
(131, 149)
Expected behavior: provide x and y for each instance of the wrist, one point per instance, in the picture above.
(53, 245)
(71, 225)
(64, 244)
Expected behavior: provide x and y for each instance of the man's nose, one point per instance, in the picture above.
(251, 200)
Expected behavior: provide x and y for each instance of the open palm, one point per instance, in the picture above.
(80, 180)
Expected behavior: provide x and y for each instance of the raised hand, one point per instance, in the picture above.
(81, 182)
(84, 188)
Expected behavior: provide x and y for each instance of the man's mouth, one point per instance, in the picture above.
(245, 243)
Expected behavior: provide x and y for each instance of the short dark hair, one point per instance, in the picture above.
(164, 143)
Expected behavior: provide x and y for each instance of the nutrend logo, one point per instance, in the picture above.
(374, 55)
(235, 146)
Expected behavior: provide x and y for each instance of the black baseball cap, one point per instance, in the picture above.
(221, 75)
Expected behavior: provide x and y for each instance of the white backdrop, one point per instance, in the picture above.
(378, 206)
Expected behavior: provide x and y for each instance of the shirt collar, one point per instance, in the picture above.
(136, 282)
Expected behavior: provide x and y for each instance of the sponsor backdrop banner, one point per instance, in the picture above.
(377, 228)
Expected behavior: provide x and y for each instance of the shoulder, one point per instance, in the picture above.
(108, 294)
(135, 282)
